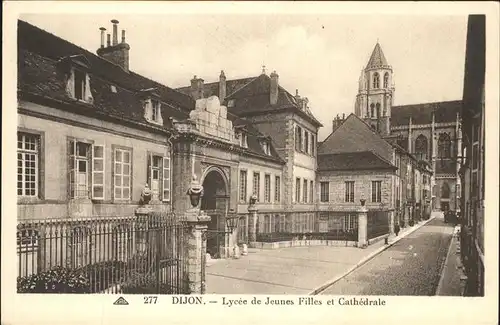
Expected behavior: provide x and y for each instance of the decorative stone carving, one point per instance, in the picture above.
(146, 195)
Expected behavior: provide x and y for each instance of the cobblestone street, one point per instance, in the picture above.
(412, 266)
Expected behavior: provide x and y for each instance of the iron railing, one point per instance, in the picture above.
(323, 225)
(378, 223)
(104, 255)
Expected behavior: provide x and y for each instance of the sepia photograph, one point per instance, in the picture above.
(285, 154)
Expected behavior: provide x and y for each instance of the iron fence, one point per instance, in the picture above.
(323, 225)
(104, 255)
(378, 223)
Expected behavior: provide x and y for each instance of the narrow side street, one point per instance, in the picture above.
(412, 266)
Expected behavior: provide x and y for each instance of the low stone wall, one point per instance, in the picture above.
(301, 243)
(377, 239)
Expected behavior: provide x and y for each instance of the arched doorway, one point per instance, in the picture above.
(445, 197)
(215, 202)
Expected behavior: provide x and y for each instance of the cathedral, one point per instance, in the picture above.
(430, 131)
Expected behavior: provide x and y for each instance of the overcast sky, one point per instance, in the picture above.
(321, 56)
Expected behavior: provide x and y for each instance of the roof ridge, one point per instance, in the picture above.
(428, 103)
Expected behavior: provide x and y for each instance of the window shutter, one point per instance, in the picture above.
(166, 179)
(71, 168)
(98, 161)
(149, 172)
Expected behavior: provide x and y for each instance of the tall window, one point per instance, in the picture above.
(349, 191)
(372, 110)
(350, 221)
(306, 142)
(311, 192)
(444, 145)
(386, 80)
(445, 191)
(267, 188)
(305, 191)
(79, 167)
(159, 176)
(377, 191)
(27, 164)
(324, 191)
(313, 145)
(376, 80)
(122, 171)
(297, 190)
(155, 110)
(421, 147)
(243, 185)
(80, 83)
(277, 189)
(256, 185)
(298, 138)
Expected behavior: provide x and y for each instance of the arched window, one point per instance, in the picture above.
(444, 145)
(386, 80)
(445, 191)
(378, 109)
(372, 106)
(376, 80)
(421, 146)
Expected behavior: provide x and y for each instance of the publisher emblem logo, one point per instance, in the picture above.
(120, 301)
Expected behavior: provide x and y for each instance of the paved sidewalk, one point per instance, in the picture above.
(449, 284)
(294, 270)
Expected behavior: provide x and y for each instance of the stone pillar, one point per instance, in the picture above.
(362, 226)
(252, 224)
(196, 250)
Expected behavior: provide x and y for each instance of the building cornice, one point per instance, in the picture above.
(423, 126)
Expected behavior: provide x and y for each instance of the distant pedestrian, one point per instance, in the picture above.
(396, 229)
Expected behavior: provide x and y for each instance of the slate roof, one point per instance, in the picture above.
(349, 161)
(422, 113)
(254, 97)
(377, 59)
(212, 88)
(354, 135)
(39, 74)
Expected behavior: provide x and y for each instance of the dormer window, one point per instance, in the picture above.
(78, 82)
(79, 85)
(155, 111)
(152, 111)
(242, 139)
(266, 147)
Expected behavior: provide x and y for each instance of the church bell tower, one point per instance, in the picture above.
(376, 93)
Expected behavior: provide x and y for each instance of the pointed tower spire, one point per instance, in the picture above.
(377, 59)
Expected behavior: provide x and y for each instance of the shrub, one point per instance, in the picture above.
(56, 280)
(411, 223)
(102, 275)
(139, 283)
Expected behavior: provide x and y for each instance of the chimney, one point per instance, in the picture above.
(222, 86)
(102, 29)
(197, 88)
(117, 53)
(274, 88)
(115, 31)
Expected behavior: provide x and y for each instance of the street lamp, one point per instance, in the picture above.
(232, 222)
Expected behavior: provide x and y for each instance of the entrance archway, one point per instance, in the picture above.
(215, 202)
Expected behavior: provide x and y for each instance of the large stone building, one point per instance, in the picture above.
(432, 131)
(473, 172)
(92, 134)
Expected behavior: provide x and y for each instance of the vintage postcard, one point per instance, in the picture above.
(199, 162)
